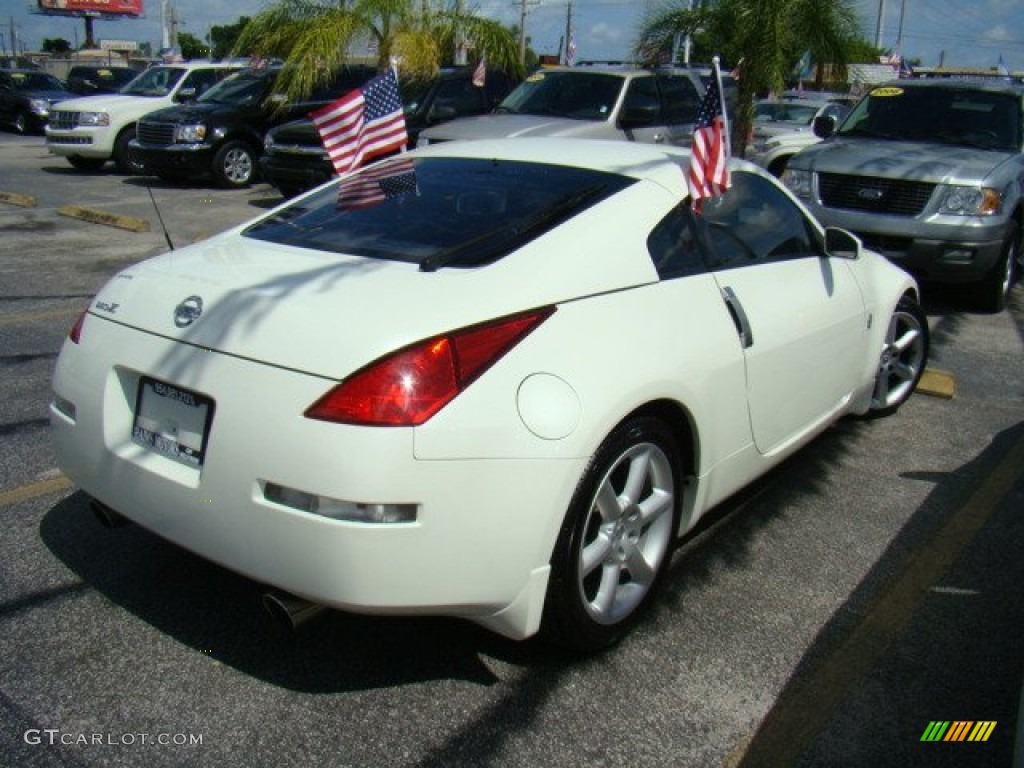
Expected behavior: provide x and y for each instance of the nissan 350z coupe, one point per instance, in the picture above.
(494, 380)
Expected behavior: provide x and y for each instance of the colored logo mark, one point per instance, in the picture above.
(958, 730)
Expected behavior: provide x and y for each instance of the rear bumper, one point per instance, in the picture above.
(480, 545)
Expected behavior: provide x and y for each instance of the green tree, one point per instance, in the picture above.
(764, 38)
(315, 37)
(192, 47)
(56, 45)
(223, 37)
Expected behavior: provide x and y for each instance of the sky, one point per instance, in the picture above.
(953, 32)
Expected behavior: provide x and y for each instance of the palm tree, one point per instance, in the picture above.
(764, 37)
(314, 37)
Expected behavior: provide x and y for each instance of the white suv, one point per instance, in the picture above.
(650, 106)
(91, 130)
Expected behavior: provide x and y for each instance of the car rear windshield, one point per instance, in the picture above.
(961, 116)
(577, 95)
(438, 212)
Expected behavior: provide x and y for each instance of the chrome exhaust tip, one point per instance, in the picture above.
(289, 611)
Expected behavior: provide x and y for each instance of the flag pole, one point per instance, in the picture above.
(725, 117)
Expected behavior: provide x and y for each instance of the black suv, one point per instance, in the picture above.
(26, 97)
(295, 159)
(90, 79)
(221, 134)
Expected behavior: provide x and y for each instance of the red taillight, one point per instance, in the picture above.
(75, 334)
(407, 387)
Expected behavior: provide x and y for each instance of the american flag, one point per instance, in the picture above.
(377, 183)
(709, 173)
(570, 50)
(363, 124)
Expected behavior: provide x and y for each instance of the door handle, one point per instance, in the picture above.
(739, 317)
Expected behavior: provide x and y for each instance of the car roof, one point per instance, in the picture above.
(958, 84)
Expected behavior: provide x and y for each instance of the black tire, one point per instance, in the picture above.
(903, 358)
(234, 165)
(125, 159)
(994, 290)
(21, 122)
(86, 163)
(591, 607)
(778, 166)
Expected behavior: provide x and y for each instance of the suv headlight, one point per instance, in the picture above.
(971, 201)
(190, 134)
(799, 182)
(93, 119)
(39, 106)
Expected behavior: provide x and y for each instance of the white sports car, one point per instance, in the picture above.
(494, 380)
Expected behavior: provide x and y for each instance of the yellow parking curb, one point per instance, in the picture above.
(13, 198)
(937, 384)
(130, 223)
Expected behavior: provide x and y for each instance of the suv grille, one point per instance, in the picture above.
(157, 134)
(62, 120)
(874, 194)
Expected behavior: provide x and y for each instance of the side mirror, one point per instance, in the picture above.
(186, 94)
(824, 126)
(842, 244)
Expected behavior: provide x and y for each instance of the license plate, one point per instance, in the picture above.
(172, 421)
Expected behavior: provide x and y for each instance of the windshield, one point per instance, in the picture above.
(785, 112)
(413, 92)
(577, 95)
(240, 89)
(949, 115)
(155, 82)
(35, 81)
(438, 211)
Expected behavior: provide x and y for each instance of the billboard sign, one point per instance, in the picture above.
(92, 7)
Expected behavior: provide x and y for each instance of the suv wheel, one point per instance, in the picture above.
(20, 122)
(234, 165)
(994, 289)
(125, 159)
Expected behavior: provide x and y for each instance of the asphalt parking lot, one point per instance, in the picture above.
(831, 615)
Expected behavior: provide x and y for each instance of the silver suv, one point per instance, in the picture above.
(604, 102)
(929, 173)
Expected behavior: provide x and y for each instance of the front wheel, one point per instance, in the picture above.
(125, 158)
(994, 290)
(21, 122)
(617, 537)
(234, 165)
(903, 359)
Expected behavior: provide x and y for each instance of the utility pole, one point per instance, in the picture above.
(460, 36)
(568, 33)
(878, 24)
(522, 33)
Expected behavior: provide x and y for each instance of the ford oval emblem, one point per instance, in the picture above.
(869, 193)
(188, 311)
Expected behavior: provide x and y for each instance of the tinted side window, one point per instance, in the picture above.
(461, 95)
(755, 222)
(673, 245)
(201, 79)
(642, 98)
(680, 99)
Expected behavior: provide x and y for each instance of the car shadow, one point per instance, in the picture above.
(218, 612)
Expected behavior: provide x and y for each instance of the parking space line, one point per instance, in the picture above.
(806, 709)
(30, 491)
